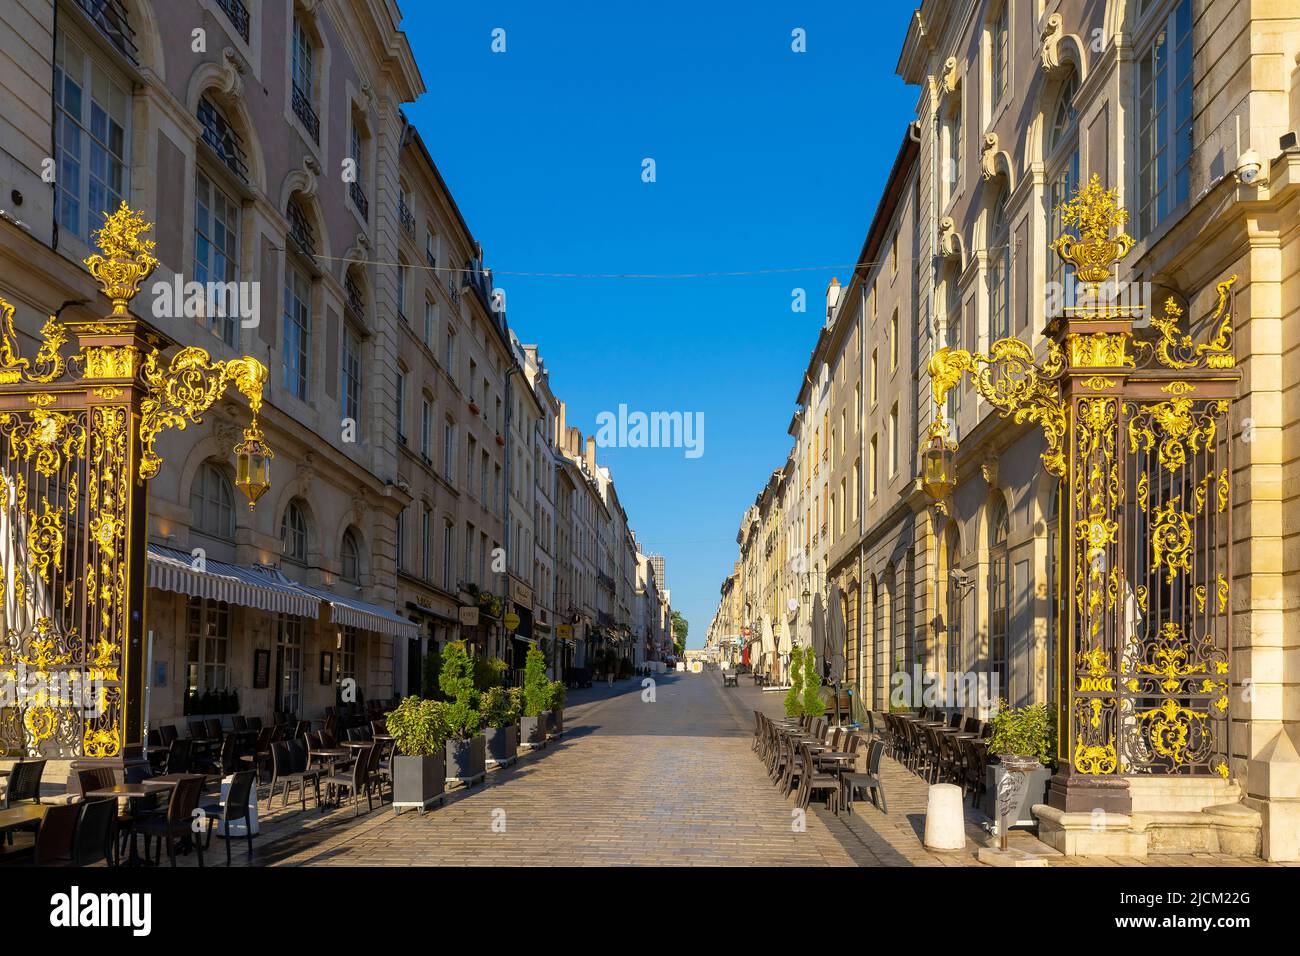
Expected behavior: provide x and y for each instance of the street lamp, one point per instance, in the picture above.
(937, 468)
(253, 463)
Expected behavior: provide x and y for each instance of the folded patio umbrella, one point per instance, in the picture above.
(819, 633)
(837, 632)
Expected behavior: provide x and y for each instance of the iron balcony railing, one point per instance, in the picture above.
(300, 230)
(406, 217)
(222, 138)
(355, 302)
(302, 108)
(237, 13)
(109, 16)
(359, 199)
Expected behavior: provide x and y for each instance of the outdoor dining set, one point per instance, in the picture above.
(807, 756)
(190, 787)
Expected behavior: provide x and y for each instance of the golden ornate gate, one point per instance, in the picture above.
(1137, 428)
(77, 435)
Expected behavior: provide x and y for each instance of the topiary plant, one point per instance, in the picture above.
(418, 726)
(488, 672)
(456, 680)
(792, 696)
(557, 693)
(536, 688)
(497, 708)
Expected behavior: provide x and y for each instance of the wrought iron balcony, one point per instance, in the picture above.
(302, 108)
(222, 138)
(406, 217)
(355, 302)
(237, 13)
(359, 199)
(110, 17)
(300, 230)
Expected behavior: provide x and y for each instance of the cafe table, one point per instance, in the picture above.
(23, 815)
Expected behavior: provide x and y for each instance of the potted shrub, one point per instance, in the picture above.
(466, 746)
(501, 720)
(794, 696)
(488, 673)
(419, 732)
(555, 708)
(813, 705)
(1022, 742)
(532, 726)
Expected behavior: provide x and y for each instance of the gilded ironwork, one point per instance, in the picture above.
(72, 460)
(1143, 456)
(1009, 379)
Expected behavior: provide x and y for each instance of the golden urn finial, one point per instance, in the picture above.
(127, 259)
(1094, 211)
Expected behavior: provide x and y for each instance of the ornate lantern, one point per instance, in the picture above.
(937, 468)
(253, 464)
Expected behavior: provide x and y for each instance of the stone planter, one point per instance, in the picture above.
(532, 731)
(1033, 790)
(554, 723)
(419, 781)
(502, 744)
(467, 760)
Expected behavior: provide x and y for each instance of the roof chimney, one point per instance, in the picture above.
(591, 454)
(832, 296)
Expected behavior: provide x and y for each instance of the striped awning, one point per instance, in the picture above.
(354, 612)
(179, 571)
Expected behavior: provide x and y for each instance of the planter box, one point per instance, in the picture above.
(532, 731)
(554, 723)
(1033, 791)
(502, 744)
(467, 760)
(419, 781)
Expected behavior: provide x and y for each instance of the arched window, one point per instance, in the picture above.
(999, 600)
(212, 502)
(350, 557)
(293, 532)
(1062, 157)
(999, 253)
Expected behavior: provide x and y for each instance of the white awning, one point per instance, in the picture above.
(181, 573)
(354, 612)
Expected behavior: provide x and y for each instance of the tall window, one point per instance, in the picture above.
(954, 609)
(875, 377)
(403, 282)
(999, 600)
(893, 440)
(893, 341)
(1164, 118)
(216, 250)
(426, 429)
(999, 250)
(293, 533)
(430, 323)
(356, 188)
(871, 475)
(952, 319)
(1063, 175)
(350, 557)
(448, 546)
(207, 645)
(304, 76)
(212, 503)
(297, 331)
(350, 374)
(399, 404)
(288, 664)
(345, 645)
(92, 121)
(449, 353)
(399, 544)
(449, 450)
(426, 556)
(998, 69)
(951, 135)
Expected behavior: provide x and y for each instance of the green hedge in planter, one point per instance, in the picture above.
(793, 701)
(537, 690)
(500, 707)
(813, 705)
(456, 680)
(555, 697)
(419, 726)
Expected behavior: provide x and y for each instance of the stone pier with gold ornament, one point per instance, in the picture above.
(1135, 418)
(77, 431)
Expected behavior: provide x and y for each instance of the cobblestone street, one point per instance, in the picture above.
(637, 783)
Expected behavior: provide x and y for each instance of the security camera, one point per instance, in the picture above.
(1250, 171)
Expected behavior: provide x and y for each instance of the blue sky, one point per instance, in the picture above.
(764, 159)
